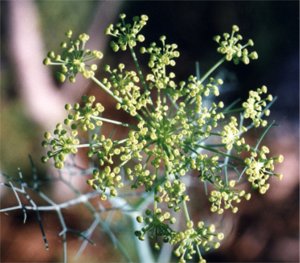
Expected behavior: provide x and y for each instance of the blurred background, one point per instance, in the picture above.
(267, 228)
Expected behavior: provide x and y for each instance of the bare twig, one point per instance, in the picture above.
(118, 203)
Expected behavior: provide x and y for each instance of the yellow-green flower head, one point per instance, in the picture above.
(61, 143)
(172, 193)
(200, 235)
(75, 58)
(226, 196)
(107, 180)
(126, 85)
(64, 139)
(126, 34)
(156, 225)
(229, 45)
(231, 134)
(255, 106)
(260, 168)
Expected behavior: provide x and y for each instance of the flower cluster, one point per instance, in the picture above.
(226, 196)
(193, 237)
(126, 33)
(107, 180)
(160, 58)
(156, 225)
(260, 168)
(232, 49)
(64, 139)
(207, 166)
(85, 117)
(74, 58)
(255, 106)
(176, 133)
(124, 85)
(62, 143)
(231, 135)
(173, 193)
(141, 177)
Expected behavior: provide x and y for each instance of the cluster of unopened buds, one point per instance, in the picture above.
(226, 196)
(232, 49)
(75, 58)
(177, 131)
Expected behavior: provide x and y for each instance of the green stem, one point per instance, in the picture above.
(140, 73)
(264, 134)
(207, 74)
(173, 102)
(233, 110)
(111, 121)
(231, 105)
(229, 151)
(155, 206)
(101, 85)
(226, 166)
(216, 145)
(242, 173)
(215, 151)
(137, 65)
(186, 212)
(55, 63)
(198, 252)
(85, 145)
(212, 69)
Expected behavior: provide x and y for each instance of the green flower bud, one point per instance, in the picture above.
(60, 76)
(45, 159)
(47, 135)
(69, 34)
(144, 17)
(46, 61)
(235, 28)
(72, 79)
(140, 38)
(250, 42)
(253, 55)
(114, 46)
(122, 16)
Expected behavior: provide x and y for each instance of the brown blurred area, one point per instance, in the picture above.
(266, 229)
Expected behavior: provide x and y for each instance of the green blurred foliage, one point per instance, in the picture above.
(57, 18)
(19, 137)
